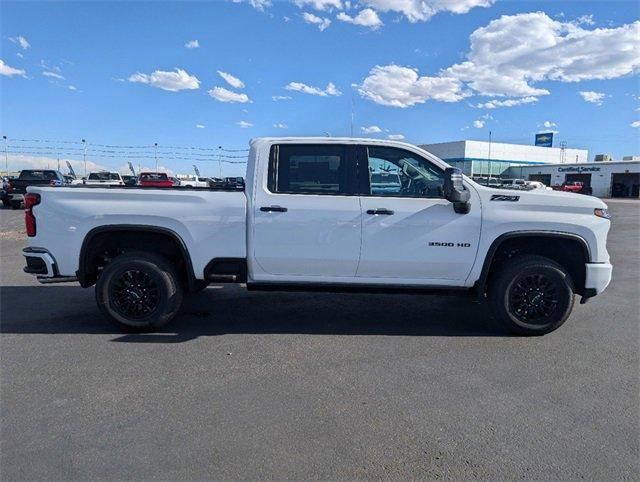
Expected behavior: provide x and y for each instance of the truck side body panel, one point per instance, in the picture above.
(210, 224)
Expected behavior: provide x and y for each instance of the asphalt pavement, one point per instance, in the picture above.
(317, 386)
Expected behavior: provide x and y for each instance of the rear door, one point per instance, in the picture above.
(306, 215)
(411, 234)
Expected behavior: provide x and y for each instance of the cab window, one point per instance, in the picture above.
(309, 169)
(399, 173)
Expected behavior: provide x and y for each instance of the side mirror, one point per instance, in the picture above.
(454, 190)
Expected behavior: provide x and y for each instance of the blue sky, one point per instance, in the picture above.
(430, 71)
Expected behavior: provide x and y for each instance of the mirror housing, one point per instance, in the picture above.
(455, 192)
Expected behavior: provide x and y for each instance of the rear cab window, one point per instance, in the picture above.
(38, 175)
(104, 176)
(325, 169)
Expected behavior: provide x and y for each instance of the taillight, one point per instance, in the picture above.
(30, 200)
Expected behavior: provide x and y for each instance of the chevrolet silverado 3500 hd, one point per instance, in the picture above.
(311, 217)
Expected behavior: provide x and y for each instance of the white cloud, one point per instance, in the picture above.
(513, 53)
(52, 75)
(371, 129)
(584, 20)
(397, 86)
(548, 124)
(330, 89)
(635, 123)
(478, 124)
(231, 80)
(395, 137)
(593, 97)
(200, 126)
(277, 98)
(72, 87)
(494, 104)
(547, 131)
(487, 116)
(260, 5)
(19, 55)
(192, 44)
(245, 124)
(20, 40)
(171, 81)
(280, 125)
(224, 95)
(8, 71)
(322, 23)
(423, 10)
(321, 5)
(366, 18)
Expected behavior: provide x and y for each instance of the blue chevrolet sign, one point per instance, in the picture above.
(544, 139)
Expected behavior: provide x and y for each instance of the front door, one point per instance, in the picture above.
(307, 220)
(410, 232)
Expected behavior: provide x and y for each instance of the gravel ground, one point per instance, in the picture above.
(317, 386)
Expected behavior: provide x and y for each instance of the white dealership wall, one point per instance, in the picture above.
(475, 157)
(601, 173)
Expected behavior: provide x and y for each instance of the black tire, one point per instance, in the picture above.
(139, 291)
(531, 295)
(16, 204)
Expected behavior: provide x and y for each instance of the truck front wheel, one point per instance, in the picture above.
(531, 295)
(139, 291)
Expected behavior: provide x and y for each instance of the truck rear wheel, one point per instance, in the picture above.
(139, 291)
(531, 295)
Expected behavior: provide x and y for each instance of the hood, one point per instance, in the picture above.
(544, 197)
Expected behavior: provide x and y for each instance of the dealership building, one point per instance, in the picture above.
(606, 179)
(551, 165)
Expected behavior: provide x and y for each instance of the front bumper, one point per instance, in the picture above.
(597, 278)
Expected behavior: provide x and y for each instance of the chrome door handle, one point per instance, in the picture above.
(387, 212)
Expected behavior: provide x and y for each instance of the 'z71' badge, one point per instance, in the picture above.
(504, 197)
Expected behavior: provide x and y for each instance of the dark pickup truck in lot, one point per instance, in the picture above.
(17, 188)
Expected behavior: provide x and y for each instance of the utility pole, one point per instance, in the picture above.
(84, 156)
(220, 162)
(155, 145)
(6, 157)
(489, 176)
(352, 112)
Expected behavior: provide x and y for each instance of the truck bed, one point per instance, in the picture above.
(210, 222)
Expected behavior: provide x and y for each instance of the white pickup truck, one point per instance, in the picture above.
(310, 218)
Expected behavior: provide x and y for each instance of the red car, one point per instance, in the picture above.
(576, 186)
(154, 179)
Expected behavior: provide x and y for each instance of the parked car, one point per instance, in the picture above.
(577, 187)
(32, 177)
(104, 178)
(5, 190)
(234, 182)
(310, 220)
(217, 183)
(194, 181)
(175, 181)
(154, 179)
(513, 183)
(130, 180)
(536, 185)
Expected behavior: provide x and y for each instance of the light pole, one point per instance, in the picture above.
(156, 154)
(84, 156)
(220, 162)
(6, 156)
(489, 176)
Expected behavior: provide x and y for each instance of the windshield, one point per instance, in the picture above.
(153, 176)
(38, 175)
(104, 176)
